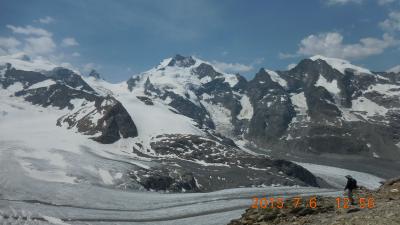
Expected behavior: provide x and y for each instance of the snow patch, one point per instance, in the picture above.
(247, 109)
(45, 83)
(336, 176)
(231, 80)
(385, 89)
(15, 87)
(221, 116)
(106, 176)
(329, 86)
(276, 78)
(300, 102)
(368, 107)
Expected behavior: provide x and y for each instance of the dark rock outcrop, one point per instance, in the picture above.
(145, 100)
(225, 166)
(273, 110)
(113, 121)
(204, 70)
(173, 181)
(182, 61)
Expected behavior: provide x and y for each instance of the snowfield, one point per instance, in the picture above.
(54, 175)
(329, 86)
(70, 179)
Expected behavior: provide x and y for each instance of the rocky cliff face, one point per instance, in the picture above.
(105, 116)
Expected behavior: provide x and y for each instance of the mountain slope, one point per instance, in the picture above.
(184, 123)
(169, 147)
(323, 105)
(319, 108)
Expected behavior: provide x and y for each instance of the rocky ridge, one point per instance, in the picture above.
(321, 106)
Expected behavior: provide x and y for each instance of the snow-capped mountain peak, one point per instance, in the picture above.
(182, 61)
(341, 65)
(178, 73)
(189, 114)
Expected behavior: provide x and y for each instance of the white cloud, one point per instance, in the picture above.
(46, 20)
(39, 45)
(29, 30)
(8, 45)
(392, 23)
(37, 41)
(342, 2)
(331, 45)
(232, 67)
(68, 42)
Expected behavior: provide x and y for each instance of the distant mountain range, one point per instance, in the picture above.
(191, 127)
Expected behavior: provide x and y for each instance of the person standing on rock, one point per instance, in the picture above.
(350, 186)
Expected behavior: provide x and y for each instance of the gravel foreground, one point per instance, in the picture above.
(385, 210)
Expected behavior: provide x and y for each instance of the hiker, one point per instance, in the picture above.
(350, 186)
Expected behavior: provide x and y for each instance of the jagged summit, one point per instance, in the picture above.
(182, 61)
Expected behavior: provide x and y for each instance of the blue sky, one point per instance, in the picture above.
(121, 38)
